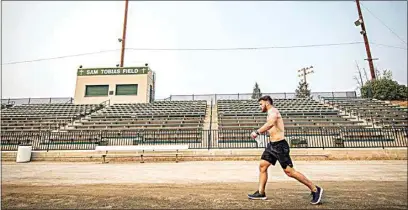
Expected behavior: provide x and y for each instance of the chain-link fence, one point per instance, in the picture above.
(207, 97)
(246, 96)
(20, 101)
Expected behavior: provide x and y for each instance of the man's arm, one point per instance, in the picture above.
(269, 123)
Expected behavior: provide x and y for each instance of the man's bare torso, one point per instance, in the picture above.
(277, 132)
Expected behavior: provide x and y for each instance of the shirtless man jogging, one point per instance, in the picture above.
(278, 150)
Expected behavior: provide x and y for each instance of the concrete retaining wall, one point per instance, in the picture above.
(218, 154)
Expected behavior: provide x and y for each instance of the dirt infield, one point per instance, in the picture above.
(201, 185)
(287, 195)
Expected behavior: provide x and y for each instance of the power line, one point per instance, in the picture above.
(383, 23)
(200, 49)
(384, 45)
(241, 48)
(53, 58)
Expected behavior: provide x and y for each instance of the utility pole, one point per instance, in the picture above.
(304, 72)
(123, 40)
(360, 22)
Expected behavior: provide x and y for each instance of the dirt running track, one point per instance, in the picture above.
(200, 185)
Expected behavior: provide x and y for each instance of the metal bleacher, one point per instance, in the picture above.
(42, 117)
(296, 113)
(161, 115)
(27, 123)
(377, 112)
(336, 122)
(304, 119)
(162, 121)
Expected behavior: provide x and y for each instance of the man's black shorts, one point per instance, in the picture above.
(278, 151)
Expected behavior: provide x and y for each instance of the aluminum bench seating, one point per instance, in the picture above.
(307, 113)
(372, 110)
(156, 116)
(29, 117)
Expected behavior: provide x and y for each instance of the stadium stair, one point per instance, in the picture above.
(214, 125)
(84, 118)
(207, 118)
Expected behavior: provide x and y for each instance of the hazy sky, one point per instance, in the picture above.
(35, 30)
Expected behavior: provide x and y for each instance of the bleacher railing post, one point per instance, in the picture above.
(48, 134)
(382, 138)
(209, 139)
(322, 136)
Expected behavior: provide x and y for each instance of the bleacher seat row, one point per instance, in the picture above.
(38, 117)
(160, 115)
(377, 112)
(190, 115)
(297, 113)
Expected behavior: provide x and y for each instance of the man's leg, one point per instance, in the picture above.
(286, 162)
(263, 178)
(263, 175)
(317, 191)
(291, 172)
(267, 159)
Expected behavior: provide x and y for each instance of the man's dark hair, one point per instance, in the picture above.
(266, 98)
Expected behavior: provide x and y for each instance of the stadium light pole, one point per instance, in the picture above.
(304, 72)
(360, 22)
(123, 40)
